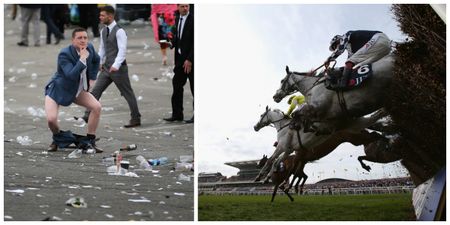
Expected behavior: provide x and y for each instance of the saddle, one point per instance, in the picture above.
(357, 76)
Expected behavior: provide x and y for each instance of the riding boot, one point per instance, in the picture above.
(346, 74)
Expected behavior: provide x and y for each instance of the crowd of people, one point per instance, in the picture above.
(376, 186)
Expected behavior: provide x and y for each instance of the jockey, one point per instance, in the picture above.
(363, 47)
(295, 101)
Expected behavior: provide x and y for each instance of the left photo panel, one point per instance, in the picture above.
(98, 112)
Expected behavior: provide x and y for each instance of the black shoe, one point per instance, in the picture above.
(52, 148)
(87, 143)
(172, 119)
(22, 44)
(84, 118)
(133, 123)
(58, 39)
(190, 120)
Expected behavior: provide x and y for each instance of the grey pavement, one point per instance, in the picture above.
(38, 183)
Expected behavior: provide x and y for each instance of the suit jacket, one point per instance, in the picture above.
(63, 86)
(187, 41)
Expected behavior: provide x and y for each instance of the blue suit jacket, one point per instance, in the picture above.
(63, 86)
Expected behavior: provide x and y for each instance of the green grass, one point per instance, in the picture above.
(387, 207)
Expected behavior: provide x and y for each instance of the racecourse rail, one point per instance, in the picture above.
(316, 191)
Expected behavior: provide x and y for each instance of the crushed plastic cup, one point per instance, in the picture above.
(142, 162)
(77, 202)
(183, 167)
(113, 170)
(25, 140)
(183, 177)
(186, 158)
(75, 154)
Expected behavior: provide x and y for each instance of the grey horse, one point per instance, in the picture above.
(324, 104)
(290, 140)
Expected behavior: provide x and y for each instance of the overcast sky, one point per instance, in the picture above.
(241, 53)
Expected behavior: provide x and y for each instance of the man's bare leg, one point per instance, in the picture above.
(88, 101)
(51, 109)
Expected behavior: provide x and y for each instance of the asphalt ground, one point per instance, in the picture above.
(37, 183)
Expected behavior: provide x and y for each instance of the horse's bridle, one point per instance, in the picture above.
(290, 73)
(269, 122)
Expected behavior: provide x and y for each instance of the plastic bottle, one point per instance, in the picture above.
(142, 162)
(184, 167)
(128, 147)
(75, 154)
(156, 162)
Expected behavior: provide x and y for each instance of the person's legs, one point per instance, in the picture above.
(178, 82)
(163, 47)
(25, 19)
(35, 18)
(51, 109)
(191, 84)
(94, 12)
(122, 81)
(48, 19)
(102, 82)
(87, 100)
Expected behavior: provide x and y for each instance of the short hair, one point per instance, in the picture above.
(108, 9)
(78, 29)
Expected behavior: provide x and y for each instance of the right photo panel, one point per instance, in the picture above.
(321, 112)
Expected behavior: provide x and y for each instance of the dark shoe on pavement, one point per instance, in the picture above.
(58, 39)
(97, 149)
(22, 44)
(190, 120)
(52, 148)
(172, 119)
(86, 143)
(133, 123)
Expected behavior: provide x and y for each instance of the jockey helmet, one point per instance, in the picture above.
(290, 99)
(334, 42)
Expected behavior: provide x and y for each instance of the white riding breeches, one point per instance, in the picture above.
(376, 48)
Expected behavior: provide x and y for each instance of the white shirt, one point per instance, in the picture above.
(181, 22)
(121, 44)
(83, 79)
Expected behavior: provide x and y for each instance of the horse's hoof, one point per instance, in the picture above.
(367, 168)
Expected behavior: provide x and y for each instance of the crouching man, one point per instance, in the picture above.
(78, 65)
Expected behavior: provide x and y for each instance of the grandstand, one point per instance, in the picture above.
(242, 184)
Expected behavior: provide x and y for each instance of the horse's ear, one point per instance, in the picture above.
(287, 69)
(267, 108)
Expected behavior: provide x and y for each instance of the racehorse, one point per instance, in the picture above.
(324, 104)
(309, 146)
(282, 175)
(301, 175)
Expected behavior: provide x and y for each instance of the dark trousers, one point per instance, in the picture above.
(89, 14)
(48, 12)
(122, 82)
(179, 80)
